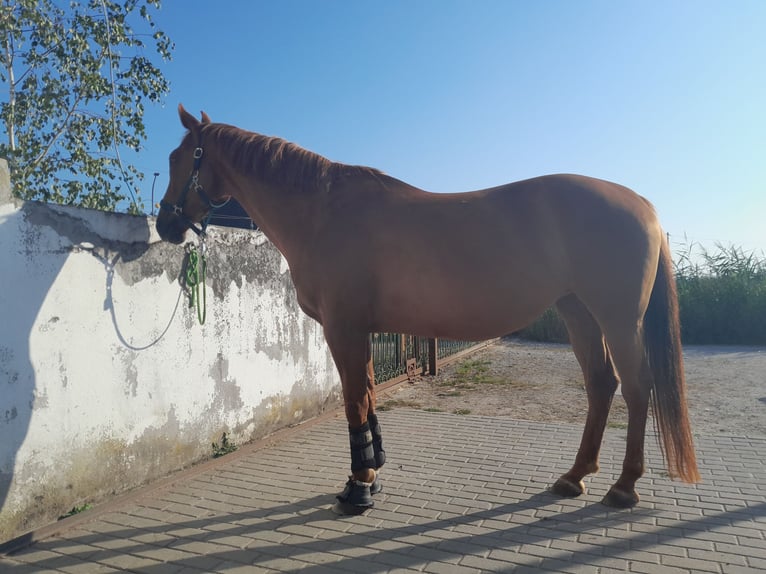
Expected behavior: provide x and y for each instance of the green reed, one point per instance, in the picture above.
(722, 295)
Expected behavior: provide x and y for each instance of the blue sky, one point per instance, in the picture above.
(668, 98)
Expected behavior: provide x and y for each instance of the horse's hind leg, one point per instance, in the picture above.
(635, 375)
(600, 384)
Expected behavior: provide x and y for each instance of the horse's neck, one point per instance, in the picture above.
(284, 215)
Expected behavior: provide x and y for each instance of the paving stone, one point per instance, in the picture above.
(478, 503)
(692, 564)
(234, 568)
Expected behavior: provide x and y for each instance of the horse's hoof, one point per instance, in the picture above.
(568, 489)
(355, 499)
(617, 498)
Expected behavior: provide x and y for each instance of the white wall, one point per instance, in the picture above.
(106, 378)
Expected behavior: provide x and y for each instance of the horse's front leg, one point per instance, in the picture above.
(350, 350)
(372, 419)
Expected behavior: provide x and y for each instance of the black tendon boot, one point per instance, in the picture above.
(377, 449)
(356, 496)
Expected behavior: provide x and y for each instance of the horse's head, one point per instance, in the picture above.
(192, 189)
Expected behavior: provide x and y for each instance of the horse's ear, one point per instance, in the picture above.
(205, 118)
(189, 121)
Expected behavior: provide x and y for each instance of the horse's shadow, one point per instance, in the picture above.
(307, 531)
(284, 531)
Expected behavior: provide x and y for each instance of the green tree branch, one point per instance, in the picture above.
(77, 75)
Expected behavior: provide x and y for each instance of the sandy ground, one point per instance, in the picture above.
(726, 387)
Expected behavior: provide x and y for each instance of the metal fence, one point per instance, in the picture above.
(395, 356)
(448, 347)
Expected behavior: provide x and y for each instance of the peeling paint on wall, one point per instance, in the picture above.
(107, 380)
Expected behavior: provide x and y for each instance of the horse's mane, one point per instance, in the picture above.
(278, 161)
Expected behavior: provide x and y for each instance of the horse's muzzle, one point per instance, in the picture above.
(171, 228)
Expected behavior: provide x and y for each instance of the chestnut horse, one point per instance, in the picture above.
(478, 265)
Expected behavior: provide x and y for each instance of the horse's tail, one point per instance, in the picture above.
(662, 341)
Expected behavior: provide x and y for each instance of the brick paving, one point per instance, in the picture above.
(461, 494)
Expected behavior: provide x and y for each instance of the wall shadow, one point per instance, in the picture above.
(23, 288)
(37, 240)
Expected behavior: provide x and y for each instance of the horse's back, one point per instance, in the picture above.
(551, 222)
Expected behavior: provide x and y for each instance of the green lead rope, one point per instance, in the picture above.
(195, 276)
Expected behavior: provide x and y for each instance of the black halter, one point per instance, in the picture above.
(194, 185)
